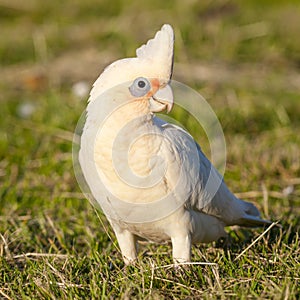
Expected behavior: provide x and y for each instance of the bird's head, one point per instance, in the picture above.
(147, 75)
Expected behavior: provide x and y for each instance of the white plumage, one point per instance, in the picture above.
(150, 177)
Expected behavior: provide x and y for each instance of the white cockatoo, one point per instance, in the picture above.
(150, 177)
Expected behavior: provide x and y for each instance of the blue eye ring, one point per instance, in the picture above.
(140, 87)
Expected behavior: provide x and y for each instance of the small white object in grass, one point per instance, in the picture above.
(288, 190)
(25, 110)
(80, 89)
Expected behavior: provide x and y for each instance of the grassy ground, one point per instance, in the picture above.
(243, 57)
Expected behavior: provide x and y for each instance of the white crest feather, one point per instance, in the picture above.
(160, 46)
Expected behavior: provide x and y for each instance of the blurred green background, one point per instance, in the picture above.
(242, 56)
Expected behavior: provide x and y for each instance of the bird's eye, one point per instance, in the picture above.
(140, 87)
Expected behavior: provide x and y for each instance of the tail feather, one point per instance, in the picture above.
(252, 216)
(253, 221)
(250, 209)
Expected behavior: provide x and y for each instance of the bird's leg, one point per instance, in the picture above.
(127, 243)
(181, 248)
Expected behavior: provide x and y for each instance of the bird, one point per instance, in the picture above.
(150, 177)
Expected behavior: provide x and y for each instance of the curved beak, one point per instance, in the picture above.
(162, 100)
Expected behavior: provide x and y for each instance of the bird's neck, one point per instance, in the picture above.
(123, 129)
(127, 118)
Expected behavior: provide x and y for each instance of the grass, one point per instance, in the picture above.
(242, 57)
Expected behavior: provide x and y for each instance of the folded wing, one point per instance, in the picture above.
(201, 185)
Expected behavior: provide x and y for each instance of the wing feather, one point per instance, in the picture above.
(202, 186)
